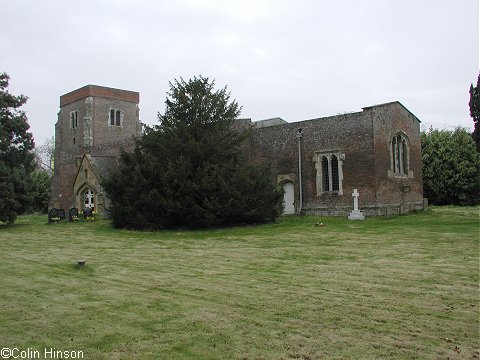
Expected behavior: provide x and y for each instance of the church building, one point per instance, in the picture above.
(318, 162)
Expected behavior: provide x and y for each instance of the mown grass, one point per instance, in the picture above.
(405, 287)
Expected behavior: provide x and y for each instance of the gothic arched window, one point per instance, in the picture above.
(329, 173)
(399, 155)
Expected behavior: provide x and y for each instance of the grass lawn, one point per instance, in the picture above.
(406, 287)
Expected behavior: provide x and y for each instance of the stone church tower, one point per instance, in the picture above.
(94, 124)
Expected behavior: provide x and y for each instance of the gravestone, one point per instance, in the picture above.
(52, 214)
(87, 212)
(356, 214)
(72, 213)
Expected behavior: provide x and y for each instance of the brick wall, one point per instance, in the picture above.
(349, 135)
(103, 132)
(396, 194)
(363, 139)
(100, 92)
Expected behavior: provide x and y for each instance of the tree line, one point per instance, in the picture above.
(451, 160)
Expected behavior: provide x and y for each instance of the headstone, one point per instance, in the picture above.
(425, 204)
(87, 212)
(73, 214)
(53, 215)
(356, 214)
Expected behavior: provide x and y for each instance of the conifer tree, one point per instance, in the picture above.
(16, 158)
(189, 170)
(474, 105)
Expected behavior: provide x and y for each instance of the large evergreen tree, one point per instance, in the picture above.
(16, 159)
(190, 171)
(451, 167)
(474, 105)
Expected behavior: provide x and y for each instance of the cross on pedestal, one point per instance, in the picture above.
(356, 214)
(355, 195)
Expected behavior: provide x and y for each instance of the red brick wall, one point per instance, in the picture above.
(363, 138)
(400, 193)
(349, 134)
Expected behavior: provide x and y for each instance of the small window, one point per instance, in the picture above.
(74, 119)
(115, 117)
(73, 141)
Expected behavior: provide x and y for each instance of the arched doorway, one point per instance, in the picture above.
(288, 199)
(89, 199)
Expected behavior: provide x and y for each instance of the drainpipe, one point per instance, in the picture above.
(300, 203)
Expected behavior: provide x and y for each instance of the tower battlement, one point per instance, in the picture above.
(101, 92)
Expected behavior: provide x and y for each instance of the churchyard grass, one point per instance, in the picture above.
(404, 287)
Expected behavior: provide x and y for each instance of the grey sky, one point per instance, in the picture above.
(294, 59)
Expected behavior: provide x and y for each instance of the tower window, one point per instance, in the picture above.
(115, 117)
(74, 119)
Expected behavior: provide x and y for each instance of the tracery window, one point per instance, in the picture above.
(399, 155)
(329, 172)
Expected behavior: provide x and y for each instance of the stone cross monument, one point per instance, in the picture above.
(356, 214)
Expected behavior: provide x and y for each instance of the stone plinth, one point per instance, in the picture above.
(356, 215)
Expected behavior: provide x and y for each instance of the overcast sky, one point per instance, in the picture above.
(293, 59)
